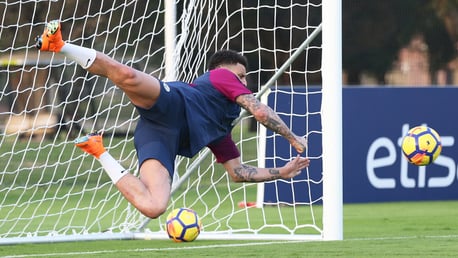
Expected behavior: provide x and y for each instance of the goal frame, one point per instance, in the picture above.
(332, 135)
(332, 127)
(330, 30)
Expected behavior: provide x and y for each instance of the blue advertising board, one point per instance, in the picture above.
(374, 122)
(306, 105)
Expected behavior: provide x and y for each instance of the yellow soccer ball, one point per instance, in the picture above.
(183, 225)
(421, 146)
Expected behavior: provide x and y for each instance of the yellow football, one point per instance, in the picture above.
(421, 146)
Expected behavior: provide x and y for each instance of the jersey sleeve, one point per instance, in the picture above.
(228, 83)
(224, 149)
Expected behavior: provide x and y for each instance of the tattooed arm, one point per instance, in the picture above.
(245, 173)
(266, 116)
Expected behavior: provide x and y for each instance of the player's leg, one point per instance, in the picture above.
(141, 88)
(150, 193)
(157, 182)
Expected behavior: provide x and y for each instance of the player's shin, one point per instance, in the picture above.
(112, 167)
(81, 55)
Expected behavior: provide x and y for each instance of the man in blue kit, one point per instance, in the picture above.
(177, 118)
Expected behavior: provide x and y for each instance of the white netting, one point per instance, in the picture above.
(48, 187)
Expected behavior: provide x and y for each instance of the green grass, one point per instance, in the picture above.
(407, 229)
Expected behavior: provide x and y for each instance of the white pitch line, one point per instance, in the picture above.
(214, 246)
(148, 249)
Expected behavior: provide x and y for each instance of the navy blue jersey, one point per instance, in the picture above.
(188, 117)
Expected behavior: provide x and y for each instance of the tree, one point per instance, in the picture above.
(447, 13)
(374, 32)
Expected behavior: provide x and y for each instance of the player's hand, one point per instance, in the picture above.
(299, 143)
(294, 167)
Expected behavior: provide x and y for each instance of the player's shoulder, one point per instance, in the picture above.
(223, 72)
(217, 76)
(223, 76)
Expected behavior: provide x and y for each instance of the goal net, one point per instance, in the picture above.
(52, 191)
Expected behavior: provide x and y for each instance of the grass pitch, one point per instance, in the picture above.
(405, 229)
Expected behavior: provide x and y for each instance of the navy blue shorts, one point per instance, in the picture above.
(160, 128)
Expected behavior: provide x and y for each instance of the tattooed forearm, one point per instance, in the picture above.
(249, 102)
(268, 118)
(246, 173)
(274, 171)
(277, 125)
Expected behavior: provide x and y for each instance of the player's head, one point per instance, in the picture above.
(226, 57)
(230, 60)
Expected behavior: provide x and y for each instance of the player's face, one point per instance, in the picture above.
(239, 70)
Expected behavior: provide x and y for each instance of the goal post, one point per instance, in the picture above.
(53, 192)
(332, 121)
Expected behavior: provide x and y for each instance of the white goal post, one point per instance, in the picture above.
(52, 192)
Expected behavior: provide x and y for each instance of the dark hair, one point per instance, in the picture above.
(226, 56)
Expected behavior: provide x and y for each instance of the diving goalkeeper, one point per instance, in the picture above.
(177, 118)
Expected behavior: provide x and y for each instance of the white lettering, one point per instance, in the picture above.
(404, 177)
(372, 163)
(444, 161)
(422, 180)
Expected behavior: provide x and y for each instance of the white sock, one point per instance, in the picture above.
(114, 170)
(82, 55)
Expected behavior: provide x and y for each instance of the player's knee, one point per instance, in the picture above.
(127, 76)
(153, 212)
